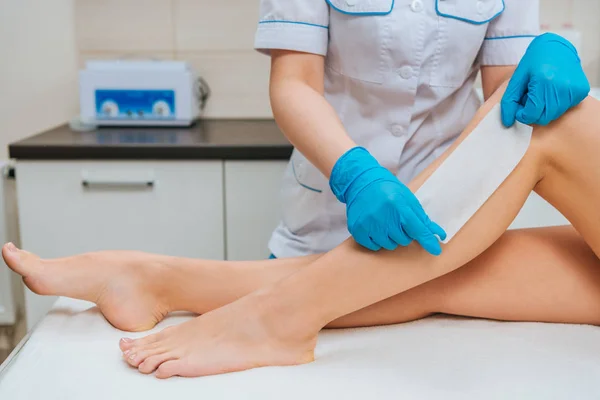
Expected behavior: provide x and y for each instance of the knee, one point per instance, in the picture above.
(577, 130)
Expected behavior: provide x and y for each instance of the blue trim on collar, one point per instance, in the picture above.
(292, 22)
(437, 10)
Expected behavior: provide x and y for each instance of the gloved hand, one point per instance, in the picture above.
(381, 211)
(547, 82)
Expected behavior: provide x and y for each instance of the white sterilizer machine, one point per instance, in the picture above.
(141, 93)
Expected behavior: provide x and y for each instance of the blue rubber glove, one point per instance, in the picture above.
(382, 212)
(547, 82)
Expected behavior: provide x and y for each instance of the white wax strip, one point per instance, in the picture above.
(473, 172)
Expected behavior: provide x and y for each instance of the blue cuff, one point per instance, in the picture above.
(553, 37)
(348, 167)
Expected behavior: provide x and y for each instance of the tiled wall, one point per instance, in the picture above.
(38, 74)
(216, 37)
(584, 16)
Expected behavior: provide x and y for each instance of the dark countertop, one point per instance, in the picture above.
(207, 139)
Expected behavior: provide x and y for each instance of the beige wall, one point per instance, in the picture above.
(584, 16)
(216, 37)
(38, 72)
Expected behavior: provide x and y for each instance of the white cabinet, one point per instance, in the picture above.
(69, 207)
(7, 303)
(252, 206)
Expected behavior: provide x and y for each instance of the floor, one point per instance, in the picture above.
(10, 336)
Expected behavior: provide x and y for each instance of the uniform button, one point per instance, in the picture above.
(480, 6)
(398, 130)
(351, 2)
(406, 72)
(416, 6)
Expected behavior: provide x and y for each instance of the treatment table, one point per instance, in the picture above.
(73, 354)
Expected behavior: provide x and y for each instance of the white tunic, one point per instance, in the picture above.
(399, 74)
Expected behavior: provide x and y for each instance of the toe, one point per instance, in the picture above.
(168, 369)
(151, 363)
(138, 354)
(125, 344)
(141, 342)
(11, 256)
(134, 359)
(130, 356)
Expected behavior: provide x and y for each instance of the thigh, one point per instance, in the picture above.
(544, 274)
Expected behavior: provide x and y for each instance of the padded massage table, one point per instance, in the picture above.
(73, 354)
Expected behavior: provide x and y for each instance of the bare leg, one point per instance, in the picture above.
(471, 284)
(135, 290)
(286, 316)
(547, 274)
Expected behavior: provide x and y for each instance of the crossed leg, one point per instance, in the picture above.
(544, 275)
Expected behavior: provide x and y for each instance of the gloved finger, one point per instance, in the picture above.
(400, 237)
(431, 244)
(432, 226)
(551, 105)
(511, 100)
(363, 238)
(382, 240)
(560, 100)
(416, 229)
(534, 106)
(581, 90)
(437, 230)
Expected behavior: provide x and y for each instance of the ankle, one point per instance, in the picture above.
(287, 323)
(198, 286)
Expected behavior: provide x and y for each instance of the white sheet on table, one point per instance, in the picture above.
(73, 354)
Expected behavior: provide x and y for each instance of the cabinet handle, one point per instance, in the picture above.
(88, 183)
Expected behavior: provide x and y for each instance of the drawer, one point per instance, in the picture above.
(174, 208)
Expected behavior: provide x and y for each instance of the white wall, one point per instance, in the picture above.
(583, 16)
(38, 85)
(38, 72)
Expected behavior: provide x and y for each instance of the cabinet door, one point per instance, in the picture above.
(66, 208)
(252, 206)
(7, 304)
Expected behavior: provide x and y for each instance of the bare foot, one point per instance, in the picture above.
(124, 285)
(236, 337)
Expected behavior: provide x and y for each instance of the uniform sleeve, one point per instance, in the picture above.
(298, 25)
(509, 35)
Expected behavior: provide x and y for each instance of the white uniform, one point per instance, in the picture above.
(399, 74)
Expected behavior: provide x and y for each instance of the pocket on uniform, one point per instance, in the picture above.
(307, 175)
(476, 12)
(359, 27)
(462, 25)
(303, 196)
(362, 7)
